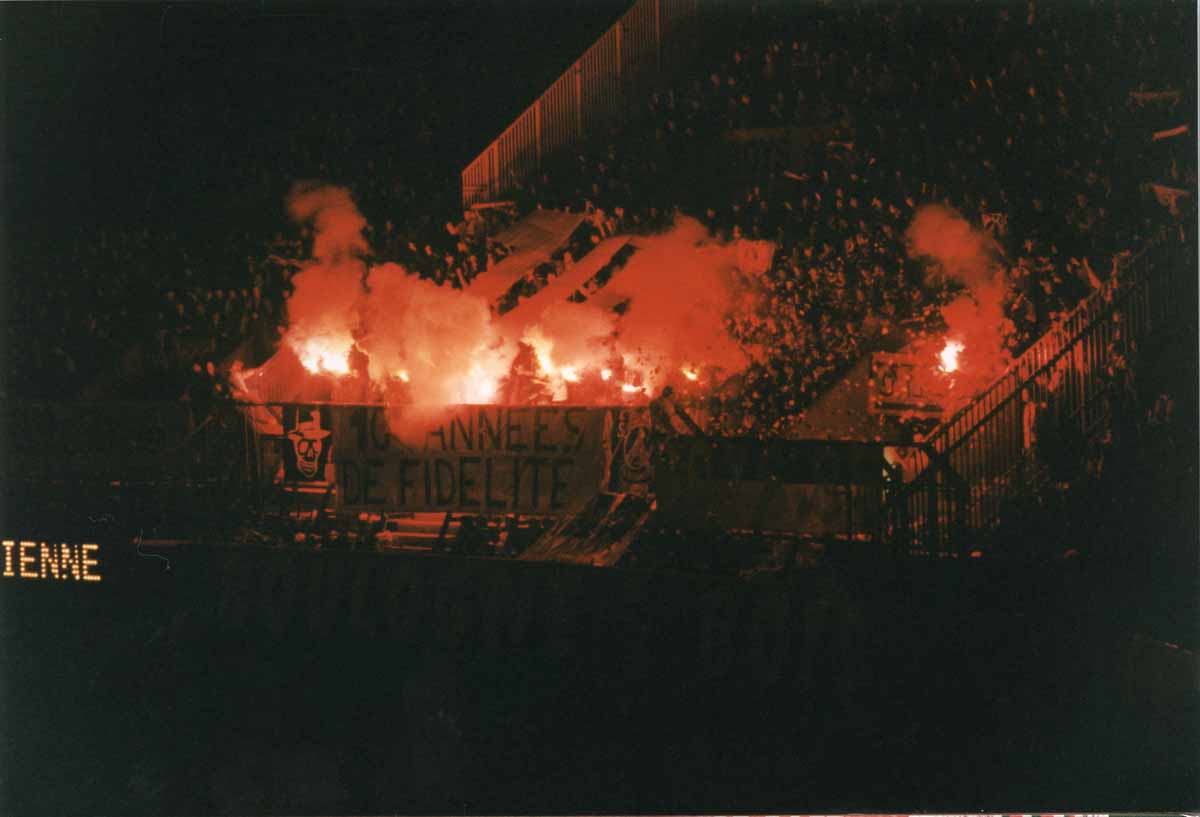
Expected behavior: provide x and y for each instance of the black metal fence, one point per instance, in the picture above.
(593, 92)
(1064, 385)
(86, 466)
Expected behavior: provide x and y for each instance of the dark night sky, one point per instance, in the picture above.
(114, 111)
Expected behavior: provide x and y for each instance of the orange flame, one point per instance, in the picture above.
(477, 378)
(326, 354)
(479, 386)
(949, 356)
(420, 343)
(569, 379)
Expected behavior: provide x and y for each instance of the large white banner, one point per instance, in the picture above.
(487, 459)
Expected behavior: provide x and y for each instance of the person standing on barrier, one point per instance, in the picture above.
(1031, 411)
(663, 410)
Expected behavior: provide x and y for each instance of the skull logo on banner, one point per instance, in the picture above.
(305, 458)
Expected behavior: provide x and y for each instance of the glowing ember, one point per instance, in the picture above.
(328, 355)
(690, 374)
(403, 375)
(569, 374)
(949, 356)
(606, 374)
(629, 388)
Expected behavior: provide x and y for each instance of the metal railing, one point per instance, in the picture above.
(987, 451)
(591, 93)
(72, 465)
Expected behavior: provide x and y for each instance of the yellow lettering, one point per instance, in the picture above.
(90, 577)
(68, 558)
(48, 562)
(27, 559)
(51, 560)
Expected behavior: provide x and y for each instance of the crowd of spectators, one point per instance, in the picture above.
(126, 314)
(824, 132)
(821, 128)
(115, 311)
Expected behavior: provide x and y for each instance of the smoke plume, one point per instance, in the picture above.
(323, 307)
(681, 286)
(971, 258)
(664, 311)
(661, 320)
(431, 336)
(961, 252)
(339, 225)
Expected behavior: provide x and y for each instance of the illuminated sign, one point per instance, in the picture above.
(50, 561)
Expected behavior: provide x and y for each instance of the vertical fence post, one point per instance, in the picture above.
(493, 171)
(958, 520)
(849, 517)
(578, 102)
(537, 131)
(932, 537)
(619, 36)
(658, 36)
(490, 174)
(619, 28)
(246, 445)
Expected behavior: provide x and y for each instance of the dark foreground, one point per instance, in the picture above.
(258, 681)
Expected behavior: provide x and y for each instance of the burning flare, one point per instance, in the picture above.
(479, 386)
(369, 332)
(949, 356)
(326, 354)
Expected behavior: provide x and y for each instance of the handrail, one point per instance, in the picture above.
(988, 444)
(593, 91)
(1041, 348)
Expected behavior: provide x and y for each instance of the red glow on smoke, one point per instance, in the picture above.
(384, 334)
(972, 352)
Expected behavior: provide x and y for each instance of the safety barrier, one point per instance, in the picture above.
(591, 93)
(984, 453)
(69, 464)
